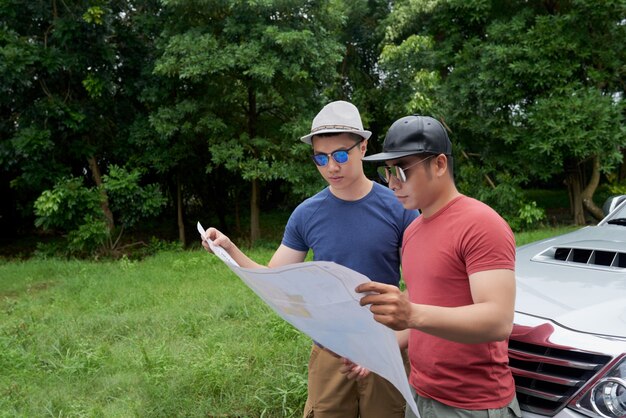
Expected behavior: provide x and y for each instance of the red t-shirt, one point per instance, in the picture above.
(438, 255)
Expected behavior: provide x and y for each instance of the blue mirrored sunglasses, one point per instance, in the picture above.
(340, 156)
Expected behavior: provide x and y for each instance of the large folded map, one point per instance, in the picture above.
(318, 298)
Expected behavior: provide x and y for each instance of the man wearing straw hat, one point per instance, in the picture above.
(356, 223)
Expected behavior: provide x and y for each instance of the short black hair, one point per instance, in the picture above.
(448, 156)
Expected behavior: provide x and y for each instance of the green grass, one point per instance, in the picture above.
(526, 237)
(175, 334)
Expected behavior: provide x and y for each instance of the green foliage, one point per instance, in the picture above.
(413, 84)
(534, 90)
(205, 96)
(267, 62)
(90, 236)
(94, 15)
(72, 207)
(66, 205)
(502, 193)
(617, 188)
(529, 214)
(94, 86)
(129, 200)
(70, 75)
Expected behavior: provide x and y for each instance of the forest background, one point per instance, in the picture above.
(125, 121)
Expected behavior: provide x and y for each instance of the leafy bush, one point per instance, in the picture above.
(129, 201)
(529, 215)
(89, 236)
(76, 209)
(504, 195)
(66, 205)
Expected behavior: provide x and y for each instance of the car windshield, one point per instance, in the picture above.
(618, 214)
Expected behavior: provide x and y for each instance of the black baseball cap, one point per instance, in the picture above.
(413, 135)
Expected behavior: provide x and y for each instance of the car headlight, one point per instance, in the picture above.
(605, 397)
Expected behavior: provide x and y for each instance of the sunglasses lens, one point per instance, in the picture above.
(398, 173)
(320, 159)
(383, 173)
(340, 156)
(386, 173)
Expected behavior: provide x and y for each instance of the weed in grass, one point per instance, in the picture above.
(15, 346)
(281, 330)
(191, 263)
(126, 263)
(234, 311)
(8, 305)
(12, 395)
(192, 325)
(156, 363)
(72, 357)
(289, 397)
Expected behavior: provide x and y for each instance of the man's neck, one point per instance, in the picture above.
(357, 190)
(446, 197)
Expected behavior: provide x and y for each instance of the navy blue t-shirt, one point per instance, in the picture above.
(364, 235)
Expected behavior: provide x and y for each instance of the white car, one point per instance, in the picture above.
(568, 346)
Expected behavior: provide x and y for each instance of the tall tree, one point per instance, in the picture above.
(70, 75)
(359, 69)
(535, 88)
(249, 77)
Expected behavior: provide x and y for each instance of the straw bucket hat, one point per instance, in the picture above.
(337, 117)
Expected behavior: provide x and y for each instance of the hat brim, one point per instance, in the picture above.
(384, 156)
(307, 138)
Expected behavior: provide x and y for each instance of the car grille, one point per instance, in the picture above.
(547, 377)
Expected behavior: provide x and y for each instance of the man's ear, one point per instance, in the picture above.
(363, 147)
(442, 164)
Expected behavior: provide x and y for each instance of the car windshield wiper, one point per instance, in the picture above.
(617, 221)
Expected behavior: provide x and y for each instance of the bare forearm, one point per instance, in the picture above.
(471, 324)
(282, 256)
(242, 259)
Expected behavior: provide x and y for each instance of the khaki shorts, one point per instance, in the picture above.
(430, 408)
(333, 395)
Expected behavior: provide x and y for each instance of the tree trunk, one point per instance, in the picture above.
(573, 182)
(255, 202)
(104, 204)
(237, 214)
(218, 202)
(590, 189)
(180, 213)
(622, 167)
(255, 210)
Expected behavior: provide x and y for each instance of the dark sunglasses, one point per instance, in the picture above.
(387, 172)
(340, 156)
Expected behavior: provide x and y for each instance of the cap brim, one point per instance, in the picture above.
(307, 138)
(384, 156)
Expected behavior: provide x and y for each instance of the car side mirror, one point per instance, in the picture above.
(611, 203)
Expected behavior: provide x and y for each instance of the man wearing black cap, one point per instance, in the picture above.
(458, 262)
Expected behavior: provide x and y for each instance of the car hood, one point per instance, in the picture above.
(584, 297)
